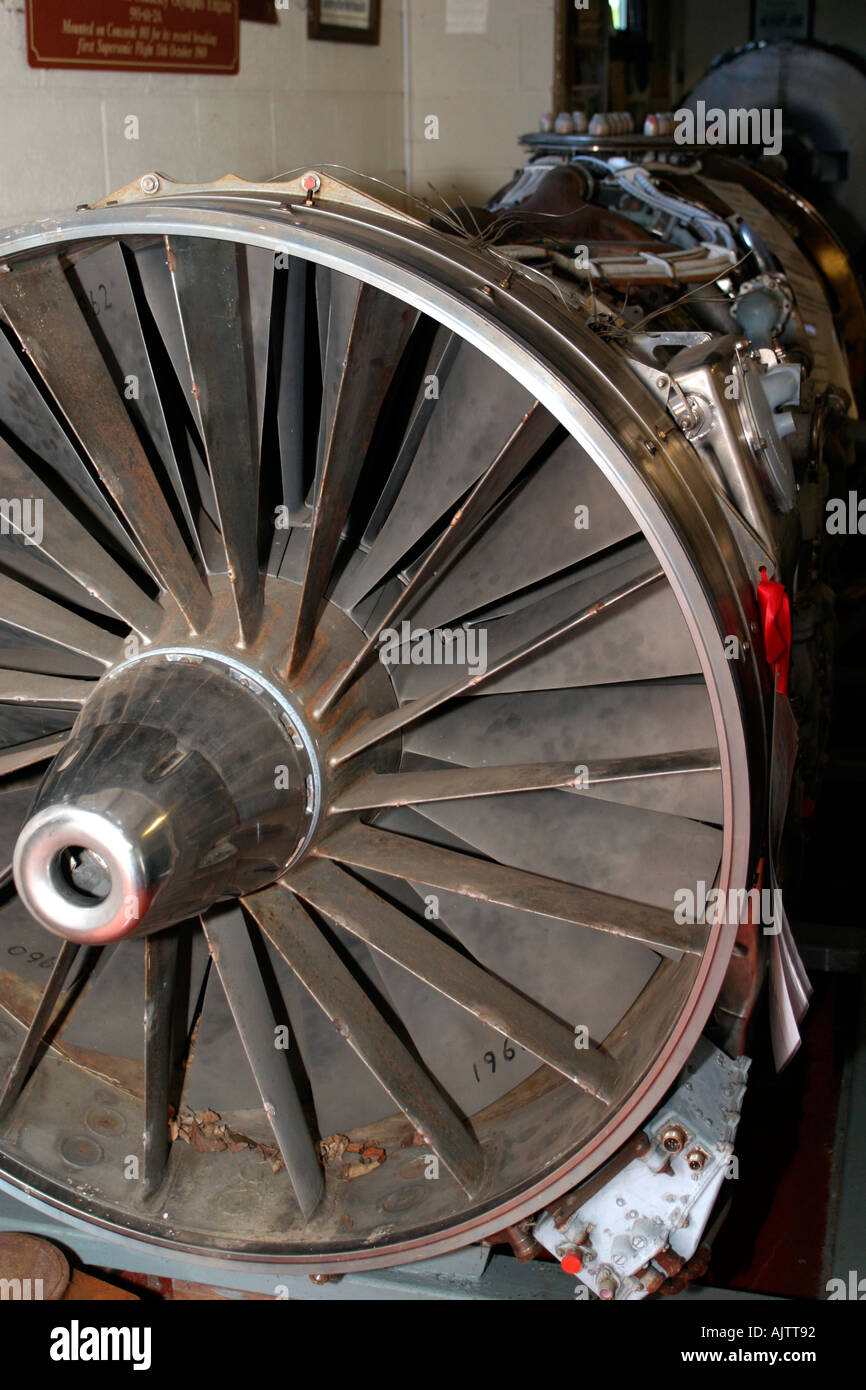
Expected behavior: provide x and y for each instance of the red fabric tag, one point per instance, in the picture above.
(776, 623)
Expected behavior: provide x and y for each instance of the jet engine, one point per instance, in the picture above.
(406, 620)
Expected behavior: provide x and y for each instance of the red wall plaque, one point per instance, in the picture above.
(140, 35)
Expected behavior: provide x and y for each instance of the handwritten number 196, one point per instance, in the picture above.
(509, 1052)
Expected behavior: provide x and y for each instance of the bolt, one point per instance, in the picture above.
(673, 1139)
(311, 183)
(149, 183)
(607, 1286)
(291, 730)
(661, 382)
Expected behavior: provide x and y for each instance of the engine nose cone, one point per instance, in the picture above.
(80, 875)
(184, 782)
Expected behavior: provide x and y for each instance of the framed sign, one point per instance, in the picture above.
(163, 36)
(781, 19)
(259, 11)
(344, 21)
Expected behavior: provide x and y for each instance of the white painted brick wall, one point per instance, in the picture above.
(486, 90)
(293, 104)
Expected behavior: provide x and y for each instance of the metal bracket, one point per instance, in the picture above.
(625, 1239)
(303, 188)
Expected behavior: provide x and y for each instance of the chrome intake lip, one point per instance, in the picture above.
(54, 901)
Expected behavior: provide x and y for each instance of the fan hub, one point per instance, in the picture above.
(189, 777)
